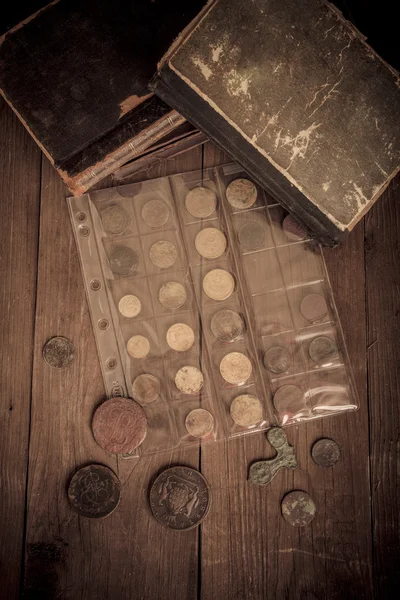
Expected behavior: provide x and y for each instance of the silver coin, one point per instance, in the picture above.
(163, 254)
(189, 380)
(246, 410)
(129, 306)
(251, 236)
(200, 202)
(235, 368)
(115, 220)
(180, 337)
(218, 284)
(277, 359)
(241, 193)
(210, 242)
(199, 423)
(290, 402)
(146, 388)
(155, 213)
(293, 229)
(138, 346)
(322, 349)
(227, 325)
(313, 307)
(123, 260)
(172, 295)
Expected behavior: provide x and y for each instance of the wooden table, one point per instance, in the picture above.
(244, 549)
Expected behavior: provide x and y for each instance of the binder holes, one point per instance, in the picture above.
(103, 324)
(81, 217)
(84, 231)
(111, 363)
(95, 285)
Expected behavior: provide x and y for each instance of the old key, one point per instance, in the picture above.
(263, 471)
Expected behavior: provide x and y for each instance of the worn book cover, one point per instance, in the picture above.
(77, 73)
(294, 94)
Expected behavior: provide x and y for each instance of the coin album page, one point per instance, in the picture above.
(211, 307)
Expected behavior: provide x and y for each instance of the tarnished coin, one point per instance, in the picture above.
(251, 236)
(189, 380)
(277, 359)
(298, 508)
(119, 425)
(155, 213)
(172, 295)
(325, 452)
(146, 388)
(163, 254)
(129, 306)
(246, 410)
(199, 423)
(180, 337)
(180, 498)
(241, 193)
(200, 202)
(227, 325)
(123, 260)
(94, 491)
(58, 352)
(218, 284)
(115, 219)
(322, 349)
(235, 368)
(289, 401)
(210, 242)
(138, 346)
(313, 307)
(293, 229)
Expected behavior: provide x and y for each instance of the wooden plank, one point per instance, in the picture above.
(383, 310)
(20, 162)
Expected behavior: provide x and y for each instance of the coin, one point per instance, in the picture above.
(218, 284)
(210, 242)
(200, 202)
(146, 388)
(246, 410)
(189, 380)
(94, 491)
(227, 325)
(172, 295)
(59, 352)
(251, 236)
(155, 213)
(298, 508)
(119, 425)
(180, 498)
(293, 229)
(199, 423)
(325, 452)
(322, 349)
(115, 219)
(313, 307)
(180, 337)
(138, 346)
(277, 360)
(241, 193)
(129, 306)
(235, 368)
(123, 260)
(163, 254)
(290, 402)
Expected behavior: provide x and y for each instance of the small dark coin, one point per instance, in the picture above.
(322, 348)
(298, 508)
(227, 325)
(94, 491)
(123, 260)
(325, 452)
(277, 360)
(180, 498)
(59, 352)
(119, 425)
(251, 236)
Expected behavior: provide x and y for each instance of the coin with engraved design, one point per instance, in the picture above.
(241, 193)
(251, 236)
(298, 508)
(277, 360)
(146, 388)
(155, 213)
(94, 491)
(172, 295)
(210, 242)
(200, 202)
(313, 308)
(115, 220)
(163, 254)
(123, 260)
(322, 349)
(58, 352)
(199, 423)
(227, 325)
(119, 425)
(325, 452)
(218, 284)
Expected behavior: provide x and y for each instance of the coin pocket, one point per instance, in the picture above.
(163, 252)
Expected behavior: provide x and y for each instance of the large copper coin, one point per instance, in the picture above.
(180, 498)
(325, 452)
(119, 425)
(298, 508)
(58, 352)
(94, 491)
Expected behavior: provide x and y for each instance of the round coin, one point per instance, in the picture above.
(189, 380)
(218, 284)
(138, 346)
(227, 325)
(155, 213)
(235, 368)
(246, 410)
(199, 423)
(200, 202)
(115, 220)
(325, 452)
(94, 491)
(180, 337)
(129, 306)
(293, 229)
(251, 236)
(241, 193)
(58, 352)
(172, 295)
(313, 307)
(210, 243)
(298, 508)
(123, 260)
(290, 402)
(146, 388)
(277, 360)
(163, 254)
(180, 498)
(119, 425)
(322, 349)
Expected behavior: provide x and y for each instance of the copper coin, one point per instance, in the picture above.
(325, 452)
(293, 229)
(289, 401)
(246, 410)
(180, 498)
(155, 213)
(199, 423)
(94, 491)
(189, 380)
(146, 388)
(218, 284)
(277, 360)
(163, 254)
(322, 349)
(123, 260)
(210, 242)
(235, 368)
(313, 307)
(58, 352)
(115, 220)
(251, 236)
(119, 425)
(241, 193)
(200, 202)
(129, 306)
(172, 295)
(227, 325)
(298, 508)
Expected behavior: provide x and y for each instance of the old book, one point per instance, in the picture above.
(77, 73)
(295, 95)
